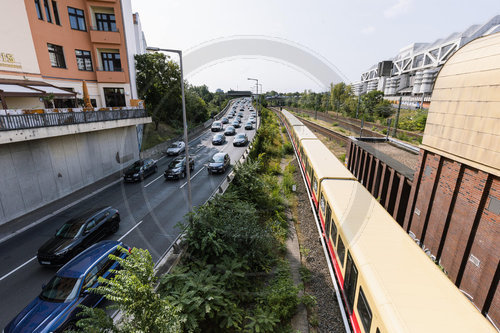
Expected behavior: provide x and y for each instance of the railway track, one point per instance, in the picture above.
(354, 124)
(322, 130)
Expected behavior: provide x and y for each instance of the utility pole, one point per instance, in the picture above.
(184, 119)
(357, 109)
(397, 117)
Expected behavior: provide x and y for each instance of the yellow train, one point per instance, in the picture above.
(387, 283)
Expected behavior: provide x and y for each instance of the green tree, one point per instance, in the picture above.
(371, 100)
(158, 84)
(338, 94)
(132, 292)
(383, 109)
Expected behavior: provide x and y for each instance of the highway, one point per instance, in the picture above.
(149, 213)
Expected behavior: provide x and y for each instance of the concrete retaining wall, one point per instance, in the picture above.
(37, 172)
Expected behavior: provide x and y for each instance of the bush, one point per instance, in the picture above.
(287, 148)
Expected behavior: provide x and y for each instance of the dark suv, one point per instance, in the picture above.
(219, 163)
(140, 170)
(77, 234)
(177, 168)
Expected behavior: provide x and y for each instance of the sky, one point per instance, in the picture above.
(352, 35)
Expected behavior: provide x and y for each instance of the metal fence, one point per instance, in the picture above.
(15, 122)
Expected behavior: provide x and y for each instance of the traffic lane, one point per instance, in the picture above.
(17, 250)
(156, 233)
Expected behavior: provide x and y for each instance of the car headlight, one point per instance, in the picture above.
(136, 175)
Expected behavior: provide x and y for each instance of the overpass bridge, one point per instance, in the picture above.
(46, 155)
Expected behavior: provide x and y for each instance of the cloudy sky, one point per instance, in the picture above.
(352, 35)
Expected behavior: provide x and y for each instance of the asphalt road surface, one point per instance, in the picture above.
(149, 212)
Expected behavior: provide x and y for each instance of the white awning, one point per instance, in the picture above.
(52, 90)
(15, 88)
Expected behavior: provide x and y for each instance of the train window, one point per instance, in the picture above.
(333, 232)
(341, 251)
(322, 206)
(328, 218)
(315, 183)
(351, 278)
(364, 311)
(310, 172)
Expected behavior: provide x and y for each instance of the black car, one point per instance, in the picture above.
(78, 234)
(177, 168)
(224, 120)
(219, 163)
(236, 124)
(249, 125)
(230, 131)
(219, 139)
(240, 140)
(140, 170)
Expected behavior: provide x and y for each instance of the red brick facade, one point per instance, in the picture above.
(453, 212)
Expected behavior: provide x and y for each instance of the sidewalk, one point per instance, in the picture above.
(33, 218)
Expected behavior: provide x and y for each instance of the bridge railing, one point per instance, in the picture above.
(25, 121)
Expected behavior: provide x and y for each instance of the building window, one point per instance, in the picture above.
(83, 60)
(76, 19)
(105, 22)
(114, 97)
(47, 11)
(38, 9)
(111, 62)
(56, 13)
(56, 56)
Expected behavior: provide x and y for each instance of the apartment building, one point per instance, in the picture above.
(48, 48)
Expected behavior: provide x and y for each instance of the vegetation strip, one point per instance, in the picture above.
(233, 276)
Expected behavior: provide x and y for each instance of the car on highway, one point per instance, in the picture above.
(219, 163)
(77, 234)
(236, 123)
(252, 119)
(240, 140)
(230, 115)
(240, 114)
(224, 120)
(249, 125)
(177, 168)
(230, 131)
(176, 148)
(139, 170)
(217, 126)
(219, 139)
(56, 308)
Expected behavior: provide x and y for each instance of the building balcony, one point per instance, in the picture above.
(23, 127)
(111, 76)
(105, 37)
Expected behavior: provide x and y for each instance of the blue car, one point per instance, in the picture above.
(55, 309)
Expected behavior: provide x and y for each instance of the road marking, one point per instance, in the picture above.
(151, 182)
(128, 232)
(18, 268)
(196, 174)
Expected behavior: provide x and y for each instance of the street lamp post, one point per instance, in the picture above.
(184, 119)
(257, 84)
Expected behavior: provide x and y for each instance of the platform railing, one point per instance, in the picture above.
(25, 121)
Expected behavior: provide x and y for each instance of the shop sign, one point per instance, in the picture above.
(8, 60)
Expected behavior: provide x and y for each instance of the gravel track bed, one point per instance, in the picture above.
(320, 285)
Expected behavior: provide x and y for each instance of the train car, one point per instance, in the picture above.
(321, 164)
(388, 283)
(298, 132)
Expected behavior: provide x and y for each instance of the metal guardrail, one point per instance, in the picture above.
(16, 122)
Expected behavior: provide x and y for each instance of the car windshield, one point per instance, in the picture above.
(136, 166)
(175, 164)
(218, 136)
(71, 229)
(217, 159)
(60, 289)
(240, 136)
(174, 145)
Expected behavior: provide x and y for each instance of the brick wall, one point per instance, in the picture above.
(454, 213)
